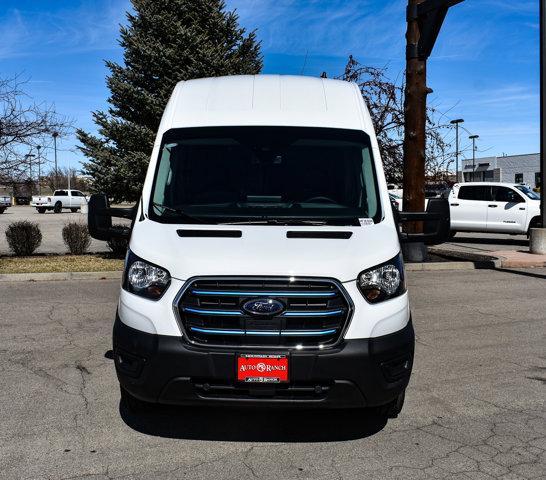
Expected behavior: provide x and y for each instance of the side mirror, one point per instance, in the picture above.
(99, 218)
(436, 223)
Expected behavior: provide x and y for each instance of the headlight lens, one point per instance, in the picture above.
(144, 279)
(384, 281)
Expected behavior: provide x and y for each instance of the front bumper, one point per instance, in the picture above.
(357, 373)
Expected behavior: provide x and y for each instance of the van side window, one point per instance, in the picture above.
(505, 194)
(475, 192)
(76, 193)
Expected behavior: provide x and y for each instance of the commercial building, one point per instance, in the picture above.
(510, 168)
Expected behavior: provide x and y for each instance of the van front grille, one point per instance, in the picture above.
(309, 312)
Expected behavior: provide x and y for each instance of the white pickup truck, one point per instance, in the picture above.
(493, 207)
(5, 202)
(72, 199)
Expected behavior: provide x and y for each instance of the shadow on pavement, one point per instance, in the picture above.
(525, 273)
(516, 242)
(254, 424)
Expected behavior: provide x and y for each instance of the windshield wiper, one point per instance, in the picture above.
(276, 221)
(178, 212)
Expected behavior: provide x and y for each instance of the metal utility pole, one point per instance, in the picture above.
(474, 138)
(537, 239)
(39, 170)
(424, 19)
(456, 123)
(55, 135)
(542, 111)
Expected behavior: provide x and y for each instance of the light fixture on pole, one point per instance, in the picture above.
(473, 138)
(456, 123)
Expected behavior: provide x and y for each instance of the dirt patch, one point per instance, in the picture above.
(60, 263)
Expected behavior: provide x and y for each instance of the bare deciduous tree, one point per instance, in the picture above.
(24, 125)
(55, 181)
(385, 100)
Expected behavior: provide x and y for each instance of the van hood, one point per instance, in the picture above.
(264, 250)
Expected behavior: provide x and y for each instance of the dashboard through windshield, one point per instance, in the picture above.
(270, 175)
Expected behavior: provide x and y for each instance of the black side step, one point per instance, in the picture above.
(210, 233)
(318, 234)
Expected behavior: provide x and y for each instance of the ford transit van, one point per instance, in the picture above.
(264, 263)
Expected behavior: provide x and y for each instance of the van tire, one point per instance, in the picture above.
(393, 409)
(41, 210)
(73, 210)
(2, 210)
(134, 404)
(452, 234)
(58, 207)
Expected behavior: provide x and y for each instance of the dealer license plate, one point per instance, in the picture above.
(254, 368)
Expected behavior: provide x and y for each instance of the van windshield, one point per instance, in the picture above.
(270, 175)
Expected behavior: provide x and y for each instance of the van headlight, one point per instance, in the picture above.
(145, 279)
(384, 281)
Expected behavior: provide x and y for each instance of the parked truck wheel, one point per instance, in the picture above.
(73, 210)
(58, 207)
(534, 223)
(2, 210)
(41, 210)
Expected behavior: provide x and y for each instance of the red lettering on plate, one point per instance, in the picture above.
(262, 368)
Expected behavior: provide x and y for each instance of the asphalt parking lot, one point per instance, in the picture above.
(474, 408)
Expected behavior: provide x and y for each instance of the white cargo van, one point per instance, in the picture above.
(493, 207)
(264, 263)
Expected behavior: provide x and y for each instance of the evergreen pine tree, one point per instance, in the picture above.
(164, 42)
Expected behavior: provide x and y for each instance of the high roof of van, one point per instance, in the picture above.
(263, 100)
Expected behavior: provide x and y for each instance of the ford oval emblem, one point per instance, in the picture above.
(263, 306)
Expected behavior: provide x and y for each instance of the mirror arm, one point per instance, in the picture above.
(128, 213)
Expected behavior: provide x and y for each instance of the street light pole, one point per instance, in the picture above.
(55, 135)
(456, 123)
(474, 138)
(39, 171)
(29, 156)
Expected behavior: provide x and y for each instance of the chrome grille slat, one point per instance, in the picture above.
(210, 312)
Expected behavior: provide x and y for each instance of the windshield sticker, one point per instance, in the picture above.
(365, 221)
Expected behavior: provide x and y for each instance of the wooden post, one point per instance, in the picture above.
(415, 105)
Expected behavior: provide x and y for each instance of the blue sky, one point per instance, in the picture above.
(484, 67)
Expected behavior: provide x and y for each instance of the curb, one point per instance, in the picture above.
(58, 276)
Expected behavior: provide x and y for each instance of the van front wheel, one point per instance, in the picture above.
(392, 409)
(134, 404)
